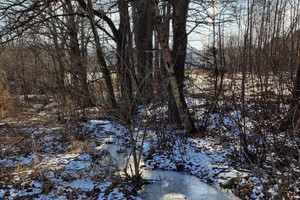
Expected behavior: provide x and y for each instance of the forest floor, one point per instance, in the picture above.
(43, 159)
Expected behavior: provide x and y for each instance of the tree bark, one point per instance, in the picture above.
(123, 52)
(179, 51)
(180, 39)
(169, 65)
(143, 32)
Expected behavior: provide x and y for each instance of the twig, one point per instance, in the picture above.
(8, 148)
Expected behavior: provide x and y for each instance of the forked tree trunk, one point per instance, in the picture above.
(169, 65)
(101, 59)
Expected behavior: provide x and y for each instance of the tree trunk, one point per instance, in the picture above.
(178, 52)
(123, 52)
(169, 65)
(143, 32)
(296, 100)
(160, 71)
(101, 59)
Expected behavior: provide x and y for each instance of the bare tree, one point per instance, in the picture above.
(101, 58)
(79, 71)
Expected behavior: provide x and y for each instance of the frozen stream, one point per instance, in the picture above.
(178, 185)
(168, 184)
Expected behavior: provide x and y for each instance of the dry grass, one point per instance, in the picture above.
(197, 72)
(9, 107)
(81, 146)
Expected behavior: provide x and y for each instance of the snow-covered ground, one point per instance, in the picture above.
(55, 163)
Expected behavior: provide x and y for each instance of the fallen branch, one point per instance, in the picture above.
(8, 148)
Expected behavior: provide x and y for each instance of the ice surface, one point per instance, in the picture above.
(178, 185)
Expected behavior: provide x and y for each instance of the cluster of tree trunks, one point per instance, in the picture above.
(169, 64)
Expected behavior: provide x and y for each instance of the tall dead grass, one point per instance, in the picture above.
(9, 106)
